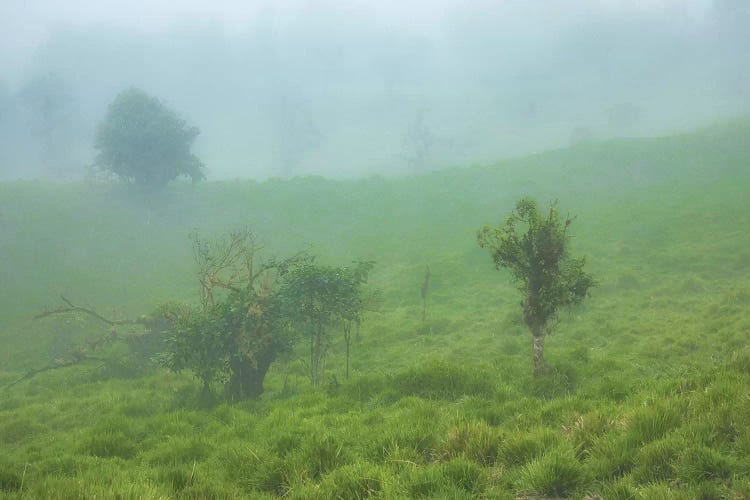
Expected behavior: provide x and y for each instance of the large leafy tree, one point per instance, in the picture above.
(534, 247)
(143, 141)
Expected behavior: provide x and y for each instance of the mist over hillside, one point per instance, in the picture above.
(340, 90)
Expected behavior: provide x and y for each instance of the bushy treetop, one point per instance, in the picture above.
(143, 141)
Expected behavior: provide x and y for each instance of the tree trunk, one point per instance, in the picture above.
(540, 367)
(246, 381)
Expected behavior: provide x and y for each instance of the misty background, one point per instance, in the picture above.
(346, 89)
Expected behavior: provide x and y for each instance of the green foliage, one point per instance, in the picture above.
(141, 140)
(535, 250)
(240, 327)
(316, 297)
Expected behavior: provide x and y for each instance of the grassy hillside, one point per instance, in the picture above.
(649, 396)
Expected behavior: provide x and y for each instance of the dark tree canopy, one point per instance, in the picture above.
(535, 250)
(143, 141)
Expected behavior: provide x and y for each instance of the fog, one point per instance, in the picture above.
(346, 89)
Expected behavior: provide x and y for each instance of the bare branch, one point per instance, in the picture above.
(71, 308)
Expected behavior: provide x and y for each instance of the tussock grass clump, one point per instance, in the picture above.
(584, 430)
(653, 422)
(557, 473)
(699, 463)
(180, 450)
(655, 462)
(415, 432)
(611, 456)
(620, 489)
(255, 469)
(424, 481)
(109, 444)
(476, 441)
(464, 473)
(443, 380)
(560, 381)
(323, 453)
(741, 360)
(518, 449)
(18, 430)
(360, 480)
(11, 476)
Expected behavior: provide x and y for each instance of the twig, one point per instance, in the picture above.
(59, 363)
(74, 308)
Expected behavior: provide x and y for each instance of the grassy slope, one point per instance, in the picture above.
(649, 396)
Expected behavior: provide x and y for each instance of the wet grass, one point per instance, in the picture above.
(648, 396)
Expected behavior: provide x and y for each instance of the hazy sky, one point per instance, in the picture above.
(26, 24)
(292, 87)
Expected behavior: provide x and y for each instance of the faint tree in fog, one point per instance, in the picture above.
(296, 133)
(535, 250)
(418, 143)
(144, 142)
(47, 101)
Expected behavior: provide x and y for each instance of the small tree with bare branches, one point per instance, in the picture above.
(238, 329)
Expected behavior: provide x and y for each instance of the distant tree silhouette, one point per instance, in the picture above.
(143, 141)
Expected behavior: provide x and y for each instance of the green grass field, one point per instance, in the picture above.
(649, 395)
